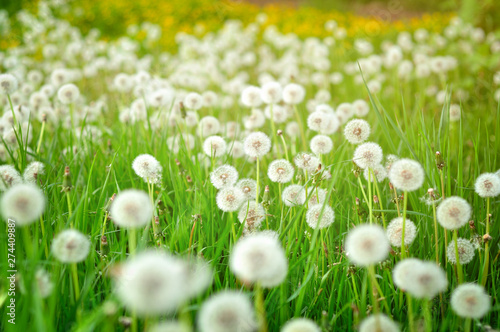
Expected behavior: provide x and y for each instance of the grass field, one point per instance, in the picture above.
(185, 250)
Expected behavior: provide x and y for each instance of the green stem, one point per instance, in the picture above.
(74, 273)
(257, 188)
(427, 316)
(435, 232)
(484, 277)
(457, 257)
(380, 203)
(132, 241)
(370, 196)
(260, 308)
(405, 203)
(40, 138)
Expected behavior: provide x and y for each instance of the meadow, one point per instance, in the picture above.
(165, 169)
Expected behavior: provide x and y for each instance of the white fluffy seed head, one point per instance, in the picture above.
(368, 155)
(455, 112)
(248, 187)
(222, 176)
(257, 144)
(45, 286)
(131, 208)
(306, 161)
(8, 83)
(377, 172)
(323, 123)
(378, 323)
(427, 280)
(357, 131)
(9, 177)
(193, 101)
(251, 214)
(487, 185)
(280, 171)
(170, 326)
(319, 216)
(271, 93)
(453, 212)
(316, 195)
(148, 168)
(151, 283)
(24, 203)
(229, 199)
(250, 96)
(293, 93)
(33, 171)
(259, 257)
(406, 174)
(300, 325)
(402, 273)
(367, 244)
(209, 126)
(344, 112)
(70, 246)
(214, 146)
(227, 311)
(395, 232)
(361, 108)
(470, 301)
(465, 251)
(294, 195)
(68, 93)
(321, 144)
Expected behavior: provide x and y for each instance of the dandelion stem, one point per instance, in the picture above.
(257, 188)
(274, 133)
(260, 308)
(132, 241)
(28, 242)
(411, 318)
(427, 316)
(396, 200)
(284, 147)
(467, 325)
(405, 203)
(457, 257)
(70, 211)
(370, 196)
(380, 202)
(487, 245)
(74, 272)
(42, 227)
(435, 232)
(40, 138)
(301, 126)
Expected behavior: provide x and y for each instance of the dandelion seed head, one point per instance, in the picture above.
(131, 208)
(227, 311)
(316, 196)
(208, 126)
(466, 251)
(214, 146)
(455, 112)
(151, 283)
(223, 176)
(319, 216)
(24, 203)
(280, 171)
(378, 173)
(254, 121)
(300, 325)
(9, 177)
(344, 112)
(367, 244)
(293, 93)
(170, 326)
(361, 108)
(378, 323)
(294, 195)
(68, 94)
(70, 246)
(395, 232)
(453, 212)
(257, 144)
(193, 101)
(45, 286)
(487, 185)
(321, 144)
(251, 215)
(260, 258)
(148, 168)
(427, 280)
(470, 301)
(402, 273)
(368, 155)
(248, 187)
(229, 199)
(306, 161)
(250, 97)
(406, 174)
(236, 149)
(357, 131)
(8, 83)
(271, 93)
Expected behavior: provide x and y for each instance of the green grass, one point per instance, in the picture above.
(321, 284)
